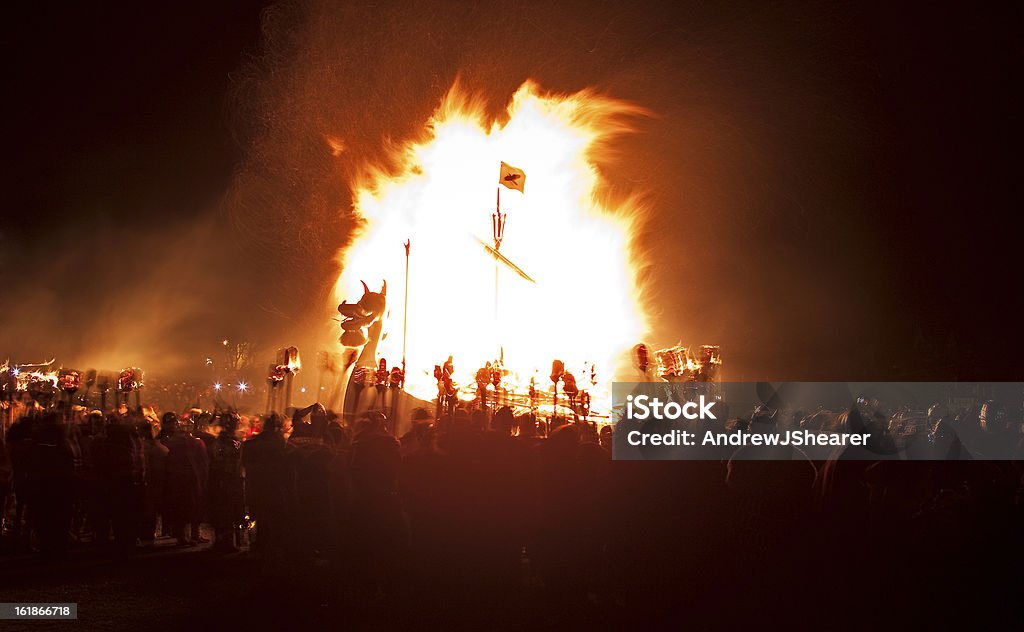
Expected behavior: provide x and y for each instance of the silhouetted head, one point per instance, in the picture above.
(372, 422)
(564, 436)
(228, 423)
(169, 422)
(301, 429)
(318, 413)
(527, 425)
(203, 422)
(503, 421)
(377, 418)
(273, 423)
(95, 421)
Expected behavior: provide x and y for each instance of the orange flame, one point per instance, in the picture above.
(584, 306)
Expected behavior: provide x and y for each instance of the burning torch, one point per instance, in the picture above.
(275, 376)
(289, 358)
(129, 381)
(557, 371)
(69, 381)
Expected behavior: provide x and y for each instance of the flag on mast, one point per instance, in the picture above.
(512, 178)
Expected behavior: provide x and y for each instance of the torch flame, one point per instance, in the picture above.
(584, 307)
(26, 378)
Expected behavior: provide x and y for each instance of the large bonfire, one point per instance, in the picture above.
(578, 298)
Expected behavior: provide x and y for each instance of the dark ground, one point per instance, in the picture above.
(181, 589)
(171, 588)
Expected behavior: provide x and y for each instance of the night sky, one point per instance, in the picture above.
(834, 188)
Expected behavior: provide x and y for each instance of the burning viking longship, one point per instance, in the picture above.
(556, 278)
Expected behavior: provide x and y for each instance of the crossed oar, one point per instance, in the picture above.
(503, 259)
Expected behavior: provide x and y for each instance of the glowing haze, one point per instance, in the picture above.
(584, 307)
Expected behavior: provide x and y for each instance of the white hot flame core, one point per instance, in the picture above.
(585, 306)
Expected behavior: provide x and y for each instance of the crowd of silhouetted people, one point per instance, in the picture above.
(485, 508)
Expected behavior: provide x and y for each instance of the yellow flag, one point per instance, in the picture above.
(512, 178)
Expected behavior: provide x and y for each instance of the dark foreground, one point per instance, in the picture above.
(197, 588)
(962, 579)
(465, 525)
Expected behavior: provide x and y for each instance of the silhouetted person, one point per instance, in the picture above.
(269, 492)
(6, 481)
(119, 463)
(310, 461)
(503, 421)
(227, 504)
(186, 472)
(380, 532)
(156, 480)
(199, 427)
(51, 481)
(19, 446)
(559, 551)
(202, 430)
